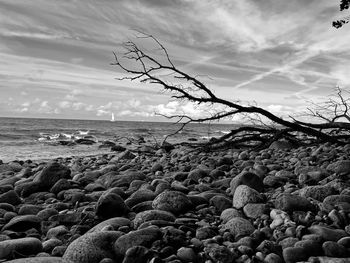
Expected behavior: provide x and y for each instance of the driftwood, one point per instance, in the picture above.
(330, 121)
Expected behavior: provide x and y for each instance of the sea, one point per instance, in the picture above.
(45, 139)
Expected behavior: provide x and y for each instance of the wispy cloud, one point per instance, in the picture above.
(274, 52)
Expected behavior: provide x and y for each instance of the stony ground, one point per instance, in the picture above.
(275, 205)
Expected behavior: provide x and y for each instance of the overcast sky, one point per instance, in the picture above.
(55, 55)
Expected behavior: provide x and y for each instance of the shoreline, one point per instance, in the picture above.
(272, 205)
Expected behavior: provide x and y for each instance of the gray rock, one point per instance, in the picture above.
(143, 237)
(186, 254)
(172, 201)
(39, 260)
(139, 196)
(51, 173)
(340, 167)
(273, 258)
(110, 205)
(239, 227)
(114, 222)
(288, 203)
(294, 254)
(329, 260)
(220, 203)
(317, 192)
(333, 249)
(229, 213)
(10, 197)
(22, 246)
(255, 210)
(330, 202)
(23, 223)
(150, 215)
(249, 179)
(136, 254)
(92, 247)
(244, 195)
(28, 209)
(327, 233)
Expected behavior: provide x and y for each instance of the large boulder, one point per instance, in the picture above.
(92, 247)
(22, 246)
(172, 201)
(51, 173)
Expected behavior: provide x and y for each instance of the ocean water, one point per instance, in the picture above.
(41, 139)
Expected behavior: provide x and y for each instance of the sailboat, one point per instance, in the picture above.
(112, 118)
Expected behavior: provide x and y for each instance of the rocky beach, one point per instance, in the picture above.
(280, 204)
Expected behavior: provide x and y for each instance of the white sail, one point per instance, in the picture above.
(112, 118)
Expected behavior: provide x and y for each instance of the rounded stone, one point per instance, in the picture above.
(239, 227)
(186, 254)
(229, 213)
(289, 202)
(136, 254)
(22, 246)
(249, 179)
(244, 195)
(51, 173)
(23, 223)
(150, 215)
(92, 247)
(294, 254)
(110, 205)
(172, 201)
(10, 197)
(333, 249)
(328, 234)
(143, 237)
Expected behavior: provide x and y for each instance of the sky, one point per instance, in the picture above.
(55, 56)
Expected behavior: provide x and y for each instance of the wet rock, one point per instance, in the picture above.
(197, 174)
(149, 215)
(172, 201)
(92, 247)
(110, 205)
(20, 247)
(143, 237)
(60, 185)
(244, 195)
(273, 258)
(239, 227)
(328, 260)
